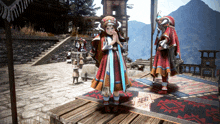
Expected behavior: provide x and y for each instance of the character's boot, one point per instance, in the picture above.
(106, 104)
(164, 88)
(73, 80)
(153, 80)
(116, 103)
(77, 80)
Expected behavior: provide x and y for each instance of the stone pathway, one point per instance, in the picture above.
(38, 89)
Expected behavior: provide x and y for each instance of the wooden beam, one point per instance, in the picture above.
(11, 72)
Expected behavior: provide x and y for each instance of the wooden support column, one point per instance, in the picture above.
(201, 54)
(185, 69)
(151, 52)
(218, 74)
(194, 72)
(11, 71)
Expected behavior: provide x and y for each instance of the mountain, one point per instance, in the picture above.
(196, 27)
(138, 40)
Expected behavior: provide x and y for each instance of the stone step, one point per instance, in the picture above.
(50, 48)
(30, 62)
(36, 58)
(43, 53)
(49, 51)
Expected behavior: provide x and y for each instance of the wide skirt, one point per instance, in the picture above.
(102, 80)
(162, 64)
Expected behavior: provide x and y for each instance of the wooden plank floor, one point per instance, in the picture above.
(82, 111)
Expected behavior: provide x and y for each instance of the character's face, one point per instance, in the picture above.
(109, 29)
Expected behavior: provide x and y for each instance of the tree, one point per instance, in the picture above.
(83, 8)
(79, 9)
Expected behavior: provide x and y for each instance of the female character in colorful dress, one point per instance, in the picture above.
(107, 49)
(167, 48)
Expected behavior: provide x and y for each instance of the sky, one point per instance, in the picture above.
(166, 8)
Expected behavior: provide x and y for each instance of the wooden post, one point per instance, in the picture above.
(218, 75)
(11, 72)
(201, 54)
(194, 71)
(151, 50)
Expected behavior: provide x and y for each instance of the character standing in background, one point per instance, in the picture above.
(106, 50)
(77, 45)
(82, 45)
(167, 48)
(81, 62)
(69, 57)
(75, 72)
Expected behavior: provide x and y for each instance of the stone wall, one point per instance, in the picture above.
(24, 49)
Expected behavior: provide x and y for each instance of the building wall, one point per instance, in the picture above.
(121, 14)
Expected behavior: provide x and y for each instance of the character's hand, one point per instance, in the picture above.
(115, 38)
(160, 48)
(163, 44)
(115, 33)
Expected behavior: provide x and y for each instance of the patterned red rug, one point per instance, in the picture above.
(213, 97)
(188, 110)
(183, 86)
(149, 101)
(124, 97)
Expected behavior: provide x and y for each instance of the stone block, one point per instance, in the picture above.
(6, 120)
(89, 71)
(33, 106)
(5, 113)
(132, 73)
(29, 114)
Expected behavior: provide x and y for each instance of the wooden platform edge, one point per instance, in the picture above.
(89, 99)
(146, 113)
(161, 116)
(54, 115)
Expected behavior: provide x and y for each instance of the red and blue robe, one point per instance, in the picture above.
(161, 64)
(102, 80)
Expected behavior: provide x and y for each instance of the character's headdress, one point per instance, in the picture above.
(158, 15)
(166, 20)
(108, 20)
(170, 19)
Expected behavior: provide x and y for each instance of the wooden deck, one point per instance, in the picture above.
(82, 111)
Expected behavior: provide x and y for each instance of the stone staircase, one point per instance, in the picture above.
(25, 48)
(45, 56)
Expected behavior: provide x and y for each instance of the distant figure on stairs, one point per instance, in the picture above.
(83, 45)
(69, 57)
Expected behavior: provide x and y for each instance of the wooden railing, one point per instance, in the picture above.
(183, 69)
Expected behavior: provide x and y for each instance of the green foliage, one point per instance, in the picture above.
(79, 10)
(83, 8)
